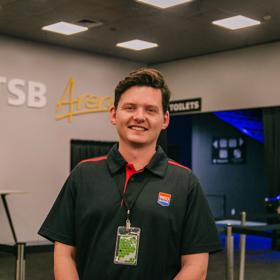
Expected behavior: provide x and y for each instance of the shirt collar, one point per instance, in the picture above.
(115, 160)
(157, 165)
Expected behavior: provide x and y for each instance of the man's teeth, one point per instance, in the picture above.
(137, 128)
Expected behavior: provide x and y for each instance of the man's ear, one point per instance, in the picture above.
(166, 120)
(112, 115)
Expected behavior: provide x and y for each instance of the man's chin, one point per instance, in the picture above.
(139, 144)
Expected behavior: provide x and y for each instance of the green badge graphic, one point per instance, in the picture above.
(127, 246)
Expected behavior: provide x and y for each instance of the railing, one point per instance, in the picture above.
(265, 230)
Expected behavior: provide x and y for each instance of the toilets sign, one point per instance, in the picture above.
(185, 106)
(24, 92)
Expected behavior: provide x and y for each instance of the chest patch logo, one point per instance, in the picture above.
(164, 199)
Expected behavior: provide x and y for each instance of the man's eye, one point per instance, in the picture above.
(151, 110)
(129, 108)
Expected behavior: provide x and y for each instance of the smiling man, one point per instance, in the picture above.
(133, 214)
(139, 119)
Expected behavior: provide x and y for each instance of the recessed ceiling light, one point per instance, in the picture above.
(163, 4)
(137, 45)
(236, 22)
(65, 28)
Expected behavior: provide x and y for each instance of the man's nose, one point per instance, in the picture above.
(139, 115)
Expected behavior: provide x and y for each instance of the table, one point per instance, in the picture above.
(3, 194)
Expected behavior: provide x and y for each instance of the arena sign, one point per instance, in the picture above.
(185, 106)
(71, 104)
(33, 94)
(22, 92)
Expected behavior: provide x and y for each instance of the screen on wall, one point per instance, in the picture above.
(228, 150)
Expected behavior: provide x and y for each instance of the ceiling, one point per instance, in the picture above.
(181, 32)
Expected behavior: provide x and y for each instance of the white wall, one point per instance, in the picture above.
(244, 78)
(34, 147)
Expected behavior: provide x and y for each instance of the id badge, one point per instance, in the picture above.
(127, 244)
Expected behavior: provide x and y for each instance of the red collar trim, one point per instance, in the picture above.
(178, 164)
(94, 159)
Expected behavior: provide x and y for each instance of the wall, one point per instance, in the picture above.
(34, 146)
(244, 78)
(244, 185)
(179, 136)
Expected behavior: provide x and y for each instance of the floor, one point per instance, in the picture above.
(261, 263)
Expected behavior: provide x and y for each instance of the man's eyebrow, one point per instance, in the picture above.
(128, 103)
(152, 106)
(144, 105)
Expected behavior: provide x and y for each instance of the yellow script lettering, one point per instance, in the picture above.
(68, 106)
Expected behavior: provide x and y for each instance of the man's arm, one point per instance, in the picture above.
(193, 267)
(64, 262)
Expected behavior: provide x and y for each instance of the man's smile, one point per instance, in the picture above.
(138, 128)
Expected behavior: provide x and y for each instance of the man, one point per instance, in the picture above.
(133, 214)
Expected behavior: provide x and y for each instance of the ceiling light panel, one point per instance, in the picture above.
(236, 22)
(137, 45)
(163, 4)
(65, 28)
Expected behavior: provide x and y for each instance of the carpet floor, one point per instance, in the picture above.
(261, 264)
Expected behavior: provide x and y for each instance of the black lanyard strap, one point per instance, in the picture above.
(129, 205)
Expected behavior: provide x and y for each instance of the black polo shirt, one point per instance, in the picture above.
(170, 209)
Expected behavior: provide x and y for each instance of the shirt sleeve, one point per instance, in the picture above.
(199, 231)
(60, 222)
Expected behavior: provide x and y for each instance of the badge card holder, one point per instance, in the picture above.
(127, 245)
(128, 237)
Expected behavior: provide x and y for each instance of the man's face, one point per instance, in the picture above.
(139, 117)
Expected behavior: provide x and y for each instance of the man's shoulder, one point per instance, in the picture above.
(90, 167)
(92, 163)
(180, 172)
(177, 166)
(94, 160)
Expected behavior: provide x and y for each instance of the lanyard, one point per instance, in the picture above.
(130, 205)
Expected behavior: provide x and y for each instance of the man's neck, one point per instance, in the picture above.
(139, 157)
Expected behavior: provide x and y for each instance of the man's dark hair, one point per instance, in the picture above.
(144, 77)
